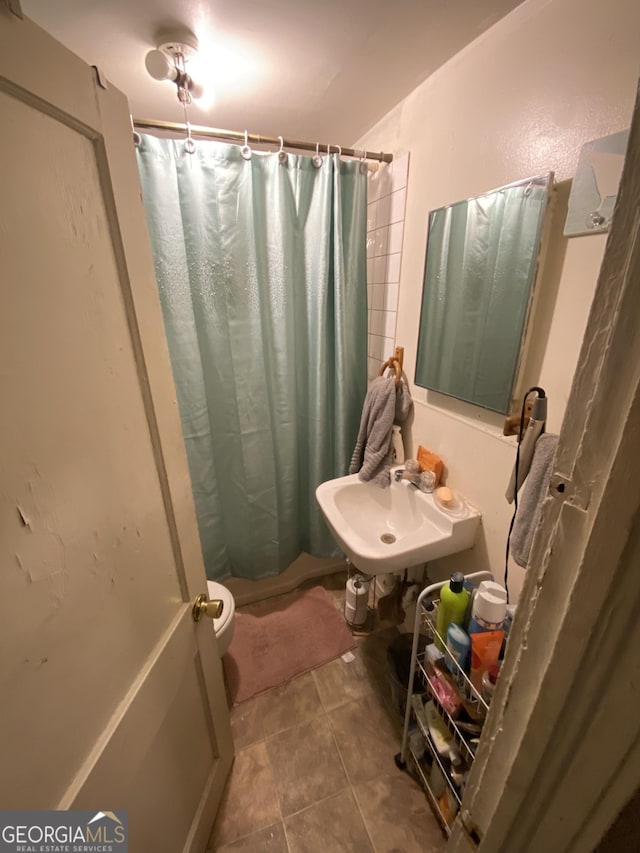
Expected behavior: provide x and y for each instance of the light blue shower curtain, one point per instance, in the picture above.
(261, 268)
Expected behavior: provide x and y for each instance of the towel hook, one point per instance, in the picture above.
(395, 362)
(246, 150)
(282, 154)
(317, 159)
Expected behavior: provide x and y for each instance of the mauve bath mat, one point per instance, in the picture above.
(278, 639)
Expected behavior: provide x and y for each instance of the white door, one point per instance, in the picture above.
(111, 696)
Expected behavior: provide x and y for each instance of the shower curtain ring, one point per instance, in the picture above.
(137, 139)
(339, 147)
(189, 144)
(246, 150)
(317, 159)
(364, 166)
(282, 154)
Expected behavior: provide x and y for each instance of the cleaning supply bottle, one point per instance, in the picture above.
(397, 445)
(454, 599)
(489, 608)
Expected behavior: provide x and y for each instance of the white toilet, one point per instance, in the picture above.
(225, 624)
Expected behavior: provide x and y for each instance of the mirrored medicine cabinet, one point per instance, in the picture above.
(480, 268)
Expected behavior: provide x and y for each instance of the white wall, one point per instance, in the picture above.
(386, 197)
(522, 99)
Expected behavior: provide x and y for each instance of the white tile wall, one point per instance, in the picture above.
(387, 190)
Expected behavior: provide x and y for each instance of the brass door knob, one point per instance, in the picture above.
(203, 607)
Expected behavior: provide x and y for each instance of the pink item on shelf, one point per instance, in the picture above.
(445, 693)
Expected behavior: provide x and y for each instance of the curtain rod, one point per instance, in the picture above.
(239, 136)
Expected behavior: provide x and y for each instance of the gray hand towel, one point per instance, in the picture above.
(385, 403)
(535, 491)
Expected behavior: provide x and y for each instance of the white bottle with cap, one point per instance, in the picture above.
(489, 608)
(396, 445)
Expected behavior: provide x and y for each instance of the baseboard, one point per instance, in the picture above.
(304, 568)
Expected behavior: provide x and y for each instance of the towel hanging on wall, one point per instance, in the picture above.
(535, 490)
(386, 402)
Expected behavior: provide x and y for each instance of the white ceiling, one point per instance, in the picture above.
(313, 70)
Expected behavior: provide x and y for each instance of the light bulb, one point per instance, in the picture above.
(196, 89)
(160, 66)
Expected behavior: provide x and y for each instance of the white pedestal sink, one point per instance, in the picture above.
(391, 529)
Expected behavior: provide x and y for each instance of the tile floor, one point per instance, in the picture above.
(314, 770)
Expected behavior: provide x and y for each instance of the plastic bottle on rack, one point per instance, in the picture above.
(448, 806)
(459, 646)
(489, 608)
(397, 446)
(457, 768)
(454, 599)
(489, 679)
(459, 775)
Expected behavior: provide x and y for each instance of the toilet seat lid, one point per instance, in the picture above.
(217, 590)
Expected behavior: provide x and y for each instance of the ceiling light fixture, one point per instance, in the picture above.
(169, 62)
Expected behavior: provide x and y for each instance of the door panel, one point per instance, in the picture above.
(162, 733)
(111, 694)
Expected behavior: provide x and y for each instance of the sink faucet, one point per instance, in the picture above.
(424, 481)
